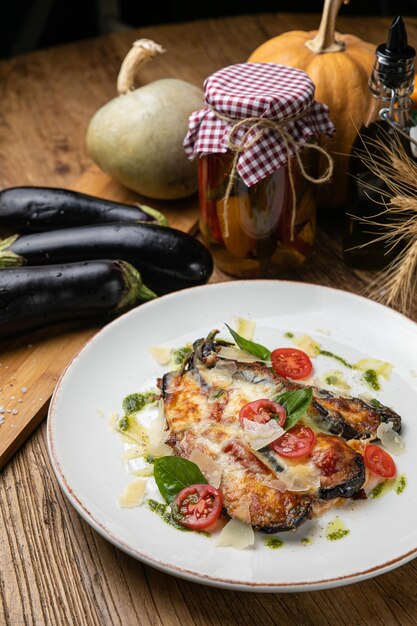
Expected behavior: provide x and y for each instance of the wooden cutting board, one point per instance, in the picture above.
(31, 365)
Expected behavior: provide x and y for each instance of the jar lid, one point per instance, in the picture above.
(255, 107)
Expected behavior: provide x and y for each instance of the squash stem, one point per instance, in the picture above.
(142, 50)
(325, 40)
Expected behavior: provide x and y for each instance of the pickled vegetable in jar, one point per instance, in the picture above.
(254, 239)
(257, 172)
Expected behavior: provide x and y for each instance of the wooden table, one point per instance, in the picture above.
(53, 568)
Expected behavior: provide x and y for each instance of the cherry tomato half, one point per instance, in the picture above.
(198, 506)
(262, 411)
(379, 461)
(298, 441)
(291, 363)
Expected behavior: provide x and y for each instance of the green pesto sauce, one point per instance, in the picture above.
(135, 402)
(371, 379)
(181, 354)
(336, 530)
(331, 380)
(337, 357)
(289, 335)
(306, 541)
(376, 403)
(217, 394)
(379, 490)
(393, 484)
(400, 484)
(161, 509)
(274, 543)
(124, 423)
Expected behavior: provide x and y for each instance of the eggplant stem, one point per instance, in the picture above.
(159, 217)
(136, 291)
(7, 257)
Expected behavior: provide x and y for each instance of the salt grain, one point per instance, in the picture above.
(23, 389)
(1, 419)
(14, 411)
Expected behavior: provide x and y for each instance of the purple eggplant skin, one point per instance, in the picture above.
(36, 209)
(167, 259)
(35, 297)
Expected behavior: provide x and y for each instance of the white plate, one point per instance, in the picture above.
(86, 455)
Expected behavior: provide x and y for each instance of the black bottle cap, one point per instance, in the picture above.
(395, 58)
(396, 48)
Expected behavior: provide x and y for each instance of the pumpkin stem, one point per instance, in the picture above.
(142, 50)
(325, 41)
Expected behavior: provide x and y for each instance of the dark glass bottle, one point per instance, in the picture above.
(391, 84)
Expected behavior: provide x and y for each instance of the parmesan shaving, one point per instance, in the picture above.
(243, 513)
(160, 354)
(391, 440)
(133, 452)
(133, 494)
(260, 435)
(302, 477)
(211, 470)
(229, 352)
(308, 345)
(245, 328)
(157, 426)
(238, 533)
(146, 471)
(161, 449)
(382, 368)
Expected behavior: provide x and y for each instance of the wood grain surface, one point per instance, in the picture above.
(53, 568)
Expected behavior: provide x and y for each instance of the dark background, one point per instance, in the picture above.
(27, 25)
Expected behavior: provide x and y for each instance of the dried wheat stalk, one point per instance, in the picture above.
(395, 285)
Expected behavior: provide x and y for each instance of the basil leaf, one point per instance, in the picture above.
(250, 346)
(295, 404)
(173, 473)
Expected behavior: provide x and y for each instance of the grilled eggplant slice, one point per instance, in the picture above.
(202, 402)
(350, 418)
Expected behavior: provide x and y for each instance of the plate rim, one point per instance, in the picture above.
(187, 574)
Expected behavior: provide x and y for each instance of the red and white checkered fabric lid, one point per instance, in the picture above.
(261, 90)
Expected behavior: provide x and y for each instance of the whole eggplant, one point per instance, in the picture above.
(34, 297)
(167, 259)
(36, 209)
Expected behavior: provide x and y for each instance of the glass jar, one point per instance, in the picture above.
(257, 240)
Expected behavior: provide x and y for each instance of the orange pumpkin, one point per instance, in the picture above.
(340, 66)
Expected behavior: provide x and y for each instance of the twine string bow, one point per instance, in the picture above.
(262, 125)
